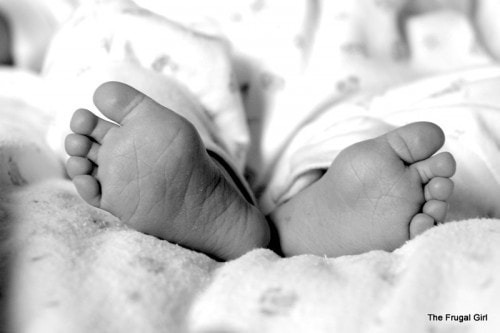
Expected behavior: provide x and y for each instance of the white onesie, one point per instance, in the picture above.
(277, 88)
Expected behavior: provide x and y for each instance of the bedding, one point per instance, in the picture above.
(68, 267)
(79, 270)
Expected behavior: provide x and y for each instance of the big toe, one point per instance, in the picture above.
(120, 102)
(416, 141)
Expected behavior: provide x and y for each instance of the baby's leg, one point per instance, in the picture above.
(375, 195)
(153, 172)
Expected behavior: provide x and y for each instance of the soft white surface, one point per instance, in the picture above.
(78, 270)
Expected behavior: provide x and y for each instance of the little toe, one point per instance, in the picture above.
(438, 188)
(86, 123)
(76, 166)
(89, 189)
(419, 224)
(416, 141)
(436, 209)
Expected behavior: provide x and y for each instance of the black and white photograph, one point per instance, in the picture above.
(249, 166)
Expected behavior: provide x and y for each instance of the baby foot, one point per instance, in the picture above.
(375, 195)
(150, 169)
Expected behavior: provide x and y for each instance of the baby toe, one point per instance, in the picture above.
(89, 189)
(420, 223)
(439, 188)
(76, 166)
(436, 209)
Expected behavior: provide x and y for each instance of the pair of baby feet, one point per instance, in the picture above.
(149, 167)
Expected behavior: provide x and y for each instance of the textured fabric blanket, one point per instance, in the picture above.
(67, 267)
(75, 269)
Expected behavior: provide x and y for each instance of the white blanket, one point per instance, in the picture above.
(73, 268)
(76, 269)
